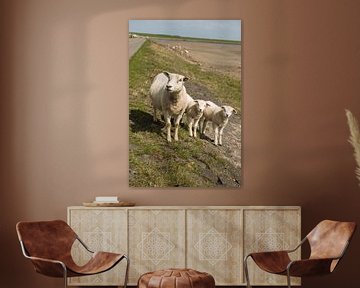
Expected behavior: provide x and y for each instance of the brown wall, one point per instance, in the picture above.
(64, 117)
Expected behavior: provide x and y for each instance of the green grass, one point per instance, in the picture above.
(153, 161)
(183, 38)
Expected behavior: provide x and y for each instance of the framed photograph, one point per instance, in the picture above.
(185, 103)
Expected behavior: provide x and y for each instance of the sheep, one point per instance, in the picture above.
(219, 116)
(168, 94)
(194, 111)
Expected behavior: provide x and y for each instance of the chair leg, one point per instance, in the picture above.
(246, 272)
(127, 271)
(65, 276)
(288, 278)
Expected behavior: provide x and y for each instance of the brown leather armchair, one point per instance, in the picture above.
(48, 245)
(328, 242)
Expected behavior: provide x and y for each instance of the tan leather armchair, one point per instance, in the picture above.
(48, 245)
(328, 242)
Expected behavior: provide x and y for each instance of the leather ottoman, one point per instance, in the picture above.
(176, 278)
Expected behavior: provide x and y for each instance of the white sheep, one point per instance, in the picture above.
(168, 94)
(219, 116)
(194, 111)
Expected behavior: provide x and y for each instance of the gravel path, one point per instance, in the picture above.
(134, 45)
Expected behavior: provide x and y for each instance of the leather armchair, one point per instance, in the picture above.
(48, 245)
(328, 242)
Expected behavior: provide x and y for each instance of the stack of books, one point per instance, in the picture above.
(106, 199)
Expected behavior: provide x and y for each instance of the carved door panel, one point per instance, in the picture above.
(101, 230)
(214, 244)
(157, 240)
(270, 230)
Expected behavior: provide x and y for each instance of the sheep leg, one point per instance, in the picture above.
(196, 126)
(154, 115)
(220, 135)
(177, 123)
(216, 132)
(204, 123)
(191, 122)
(201, 123)
(168, 126)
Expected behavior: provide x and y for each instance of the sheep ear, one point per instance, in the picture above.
(196, 101)
(185, 79)
(223, 108)
(234, 111)
(207, 104)
(166, 73)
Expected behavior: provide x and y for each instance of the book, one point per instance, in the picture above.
(106, 199)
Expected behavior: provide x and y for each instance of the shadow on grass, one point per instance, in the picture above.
(143, 121)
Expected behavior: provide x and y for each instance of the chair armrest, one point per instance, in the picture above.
(281, 251)
(84, 245)
(298, 246)
(309, 267)
(268, 253)
(45, 260)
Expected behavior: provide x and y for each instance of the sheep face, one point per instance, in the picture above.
(228, 111)
(200, 105)
(175, 83)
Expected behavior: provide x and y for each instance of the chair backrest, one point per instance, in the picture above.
(329, 239)
(46, 239)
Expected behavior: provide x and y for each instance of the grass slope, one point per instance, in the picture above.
(189, 162)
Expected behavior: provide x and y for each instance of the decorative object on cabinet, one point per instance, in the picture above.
(354, 140)
(185, 69)
(108, 201)
(48, 245)
(109, 204)
(328, 242)
(204, 238)
(176, 278)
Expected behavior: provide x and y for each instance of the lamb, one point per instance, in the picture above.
(219, 116)
(168, 94)
(194, 111)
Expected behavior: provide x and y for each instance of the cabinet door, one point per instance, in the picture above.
(156, 240)
(271, 230)
(214, 244)
(100, 230)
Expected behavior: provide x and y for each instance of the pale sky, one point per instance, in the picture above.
(213, 29)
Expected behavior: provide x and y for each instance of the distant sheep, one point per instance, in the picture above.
(193, 114)
(168, 94)
(219, 116)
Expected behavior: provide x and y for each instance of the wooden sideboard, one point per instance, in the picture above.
(213, 239)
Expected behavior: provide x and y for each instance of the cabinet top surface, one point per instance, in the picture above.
(193, 207)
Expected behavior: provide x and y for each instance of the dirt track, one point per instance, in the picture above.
(222, 57)
(232, 133)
